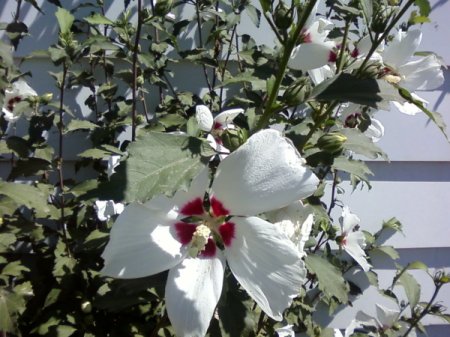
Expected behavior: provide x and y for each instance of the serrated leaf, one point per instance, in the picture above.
(254, 14)
(29, 167)
(80, 124)
(389, 251)
(349, 88)
(6, 240)
(355, 167)
(14, 269)
(98, 19)
(65, 19)
(8, 309)
(434, 116)
(411, 287)
(361, 144)
(26, 195)
(158, 163)
(329, 277)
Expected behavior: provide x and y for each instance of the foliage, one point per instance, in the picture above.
(51, 237)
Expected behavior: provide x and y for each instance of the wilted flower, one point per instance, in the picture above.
(195, 234)
(19, 92)
(351, 239)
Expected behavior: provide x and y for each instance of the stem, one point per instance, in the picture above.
(424, 311)
(290, 45)
(379, 39)
(200, 40)
(340, 63)
(17, 13)
(274, 28)
(134, 62)
(222, 74)
(60, 160)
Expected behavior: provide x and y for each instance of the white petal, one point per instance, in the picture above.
(409, 108)
(265, 173)
(355, 242)
(311, 55)
(400, 50)
(286, 331)
(22, 88)
(375, 130)
(348, 220)
(227, 116)
(100, 206)
(266, 263)
(192, 291)
(422, 74)
(386, 317)
(204, 118)
(318, 75)
(142, 243)
(337, 333)
(113, 162)
(197, 189)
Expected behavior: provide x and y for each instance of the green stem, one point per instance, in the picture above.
(424, 311)
(287, 51)
(134, 70)
(340, 61)
(380, 39)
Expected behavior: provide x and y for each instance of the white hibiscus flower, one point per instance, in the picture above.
(107, 208)
(351, 239)
(19, 91)
(194, 238)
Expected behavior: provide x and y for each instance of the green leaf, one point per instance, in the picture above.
(389, 251)
(355, 167)
(424, 7)
(80, 124)
(367, 8)
(9, 306)
(158, 163)
(254, 14)
(329, 277)
(29, 167)
(65, 19)
(6, 240)
(98, 19)
(412, 289)
(14, 269)
(265, 5)
(26, 195)
(434, 116)
(18, 145)
(361, 144)
(349, 88)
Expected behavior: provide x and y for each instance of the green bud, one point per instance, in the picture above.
(282, 16)
(233, 138)
(396, 326)
(298, 92)
(46, 98)
(140, 80)
(140, 120)
(332, 142)
(163, 7)
(86, 307)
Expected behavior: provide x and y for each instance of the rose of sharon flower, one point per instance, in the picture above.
(424, 73)
(352, 240)
(195, 239)
(20, 91)
(216, 125)
(315, 50)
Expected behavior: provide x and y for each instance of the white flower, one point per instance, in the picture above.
(351, 239)
(195, 239)
(375, 130)
(349, 330)
(113, 162)
(20, 91)
(107, 208)
(286, 331)
(315, 50)
(216, 125)
(296, 222)
(385, 319)
(424, 73)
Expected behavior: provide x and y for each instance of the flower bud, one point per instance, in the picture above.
(298, 92)
(86, 307)
(140, 120)
(233, 138)
(332, 142)
(163, 7)
(46, 98)
(282, 16)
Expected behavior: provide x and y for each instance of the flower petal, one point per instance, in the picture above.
(227, 116)
(195, 191)
(309, 56)
(204, 117)
(266, 263)
(264, 174)
(400, 50)
(348, 220)
(355, 242)
(422, 74)
(386, 317)
(375, 130)
(192, 291)
(142, 242)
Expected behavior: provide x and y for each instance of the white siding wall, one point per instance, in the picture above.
(414, 186)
